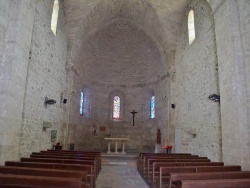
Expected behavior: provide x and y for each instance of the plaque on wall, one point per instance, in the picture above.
(102, 128)
(53, 135)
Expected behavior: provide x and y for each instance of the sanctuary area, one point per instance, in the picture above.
(116, 78)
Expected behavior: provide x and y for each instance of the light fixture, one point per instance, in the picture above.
(49, 101)
(214, 97)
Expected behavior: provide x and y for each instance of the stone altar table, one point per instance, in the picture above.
(116, 145)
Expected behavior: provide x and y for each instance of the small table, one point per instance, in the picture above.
(116, 145)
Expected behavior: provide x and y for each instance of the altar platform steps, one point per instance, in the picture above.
(119, 159)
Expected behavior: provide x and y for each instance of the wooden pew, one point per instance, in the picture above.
(63, 161)
(87, 157)
(145, 163)
(165, 171)
(156, 171)
(21, 186)
(221, 183)
(141, 155)
(71, 167)
(43, 172)
(176, 178)
(146, 158)
(74, 151)
(51, 182)
(154, 175)
(150, 162)
(71, 153)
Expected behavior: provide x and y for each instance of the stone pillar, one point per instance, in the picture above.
(13, 66)
(109, 152)
(232, 78)
(123, 147)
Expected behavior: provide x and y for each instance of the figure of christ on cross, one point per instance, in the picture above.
(133, 115)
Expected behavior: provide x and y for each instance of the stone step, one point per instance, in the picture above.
(119, 157)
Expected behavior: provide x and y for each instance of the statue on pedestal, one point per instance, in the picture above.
(158, 138)
(94, 133)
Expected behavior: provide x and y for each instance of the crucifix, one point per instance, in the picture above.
(133, 115)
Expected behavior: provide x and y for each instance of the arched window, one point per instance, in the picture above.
(85, 102)
(152, 107)
(116, 107)
(54, 17)
(191, 27)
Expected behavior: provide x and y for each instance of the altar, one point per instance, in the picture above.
(116, 145)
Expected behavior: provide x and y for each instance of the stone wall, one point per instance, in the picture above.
(16, 23)
(196, 116)
(32, 64)
(142, 136)
(46, 77)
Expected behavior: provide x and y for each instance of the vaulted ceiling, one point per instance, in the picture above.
(160, 20)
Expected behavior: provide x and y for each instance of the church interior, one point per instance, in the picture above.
(157, 73)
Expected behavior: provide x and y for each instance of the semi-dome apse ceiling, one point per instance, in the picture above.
(134, 38)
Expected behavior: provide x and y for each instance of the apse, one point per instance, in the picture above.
(122, 60)
(120, 54)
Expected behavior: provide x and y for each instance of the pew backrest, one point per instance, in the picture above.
(9, 179)
(76, 167)
(42, 172)
(176, 178)
(157, 165)
(221, 183)
(165, 171)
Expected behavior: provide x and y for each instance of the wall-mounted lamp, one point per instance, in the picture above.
(214, 97)
(49, 101)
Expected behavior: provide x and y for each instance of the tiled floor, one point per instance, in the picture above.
(119, 172)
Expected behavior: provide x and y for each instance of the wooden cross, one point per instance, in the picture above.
(133, 115)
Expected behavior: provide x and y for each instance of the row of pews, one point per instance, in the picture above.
(183, 170)
(51, 169)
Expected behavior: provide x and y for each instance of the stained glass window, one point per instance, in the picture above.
(152, 107)
(116, 107)
(82, 103)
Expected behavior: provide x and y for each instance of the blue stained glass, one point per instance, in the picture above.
(116, 107)
(81, 103)
(152, 107)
